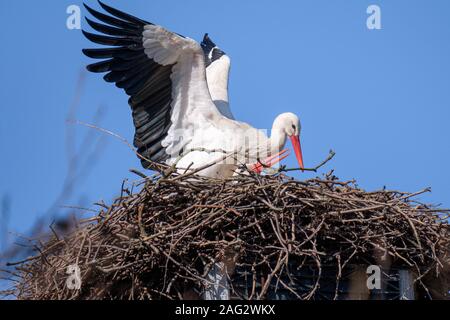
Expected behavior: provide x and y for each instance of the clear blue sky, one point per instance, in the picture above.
(380, 98)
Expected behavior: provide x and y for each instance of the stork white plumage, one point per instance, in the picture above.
(179, 116)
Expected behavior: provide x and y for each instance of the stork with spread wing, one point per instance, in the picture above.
(179, 98)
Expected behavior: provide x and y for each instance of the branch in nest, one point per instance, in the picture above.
(320, 165)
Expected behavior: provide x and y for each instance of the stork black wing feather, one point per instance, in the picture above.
(153, 134)
(147, 126)
(134, 85)
(141, 71)
(127, 79)
(148, 84)
(159, 80)
(107, 53)
(157, 152)
(110, 41)
(121, 65)
(116, 64)
(100, 67)
(112, 31)
(160, 97)
(113, 21)
(122, 15)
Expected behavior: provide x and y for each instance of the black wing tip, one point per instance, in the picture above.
(89, 21)
(95, 53)
(207, 43)
(93, 12)
(87, 52)
(122, 15)
(94, 25)
(87, 7)
(91, 37)
(103, 5)
(86, 33)
(92, 68)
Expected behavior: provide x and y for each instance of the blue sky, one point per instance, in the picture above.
(379, 98)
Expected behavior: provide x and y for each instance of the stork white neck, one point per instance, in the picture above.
(277, 138)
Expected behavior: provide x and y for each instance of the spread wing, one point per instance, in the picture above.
(164, 75)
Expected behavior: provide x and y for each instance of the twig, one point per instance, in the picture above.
(320, 165)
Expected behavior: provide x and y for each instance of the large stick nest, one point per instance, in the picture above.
(163, 241)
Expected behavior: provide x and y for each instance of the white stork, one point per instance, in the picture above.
(180, 117)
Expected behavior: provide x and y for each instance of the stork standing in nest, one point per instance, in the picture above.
(179, 98)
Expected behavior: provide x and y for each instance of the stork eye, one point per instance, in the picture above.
(293, 126)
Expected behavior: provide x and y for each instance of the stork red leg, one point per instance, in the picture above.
(270, 161)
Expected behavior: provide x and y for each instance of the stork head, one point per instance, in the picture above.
(211, 51)
(288, 125)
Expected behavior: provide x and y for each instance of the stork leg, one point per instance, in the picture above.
(270, 161)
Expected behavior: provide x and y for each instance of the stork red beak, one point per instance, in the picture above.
(295, 140)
